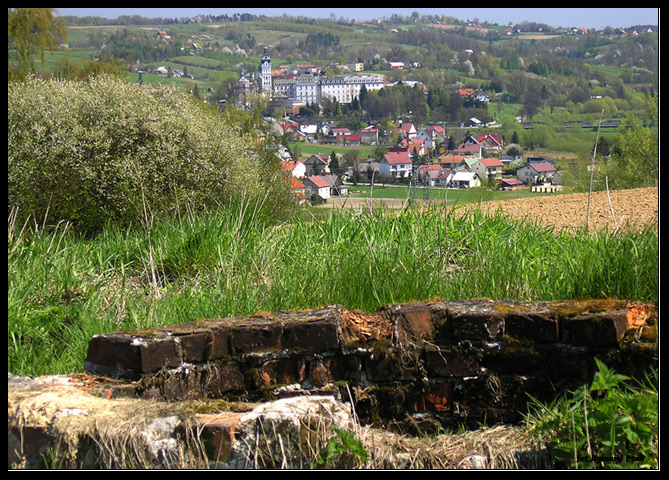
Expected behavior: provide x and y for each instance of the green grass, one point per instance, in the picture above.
(64, 287)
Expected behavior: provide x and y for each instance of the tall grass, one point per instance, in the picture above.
(64, 287)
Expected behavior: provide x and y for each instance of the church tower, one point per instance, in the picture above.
(266, 72)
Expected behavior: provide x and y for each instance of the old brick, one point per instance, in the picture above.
(346, 368)
(443, 363)
(220, 343)
(612, 327)
(537, 326)
(224, 378)
(596, 328)
(195, 347)
(383, 366)
(256, 337)
(414, 325)
(475, 320)
(319, 371)
(127, 355)
(311, 335)
(283, 371)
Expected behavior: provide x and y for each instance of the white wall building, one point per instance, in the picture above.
(312, 89)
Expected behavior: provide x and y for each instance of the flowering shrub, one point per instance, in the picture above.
(103, 149)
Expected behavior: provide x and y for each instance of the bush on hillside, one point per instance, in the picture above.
(92, 151)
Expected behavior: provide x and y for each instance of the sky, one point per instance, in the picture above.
(556, 17)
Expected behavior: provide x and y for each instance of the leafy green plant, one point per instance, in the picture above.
(609, 424)
(342, 450)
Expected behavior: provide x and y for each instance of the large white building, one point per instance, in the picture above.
(308, 88)
(314, 89)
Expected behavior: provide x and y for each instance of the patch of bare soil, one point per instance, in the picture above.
(617, 209)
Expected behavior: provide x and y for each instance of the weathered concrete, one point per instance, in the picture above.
(435, 363)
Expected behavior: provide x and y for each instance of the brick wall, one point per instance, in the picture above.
(459, 361)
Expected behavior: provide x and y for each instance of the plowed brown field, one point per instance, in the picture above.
(634, 207)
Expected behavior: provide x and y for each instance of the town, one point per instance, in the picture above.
(424, 156)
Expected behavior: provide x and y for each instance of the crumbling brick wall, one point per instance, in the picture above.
(461, 362)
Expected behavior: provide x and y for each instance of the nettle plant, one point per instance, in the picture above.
(91, 151)
(609, 424)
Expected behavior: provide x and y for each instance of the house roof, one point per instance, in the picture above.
(543, 167)
(319, 157)
(511, 181)
(397, 158)
(494, 139)
(406, 127)
(319, 181)
(491, 162)
(469, 148)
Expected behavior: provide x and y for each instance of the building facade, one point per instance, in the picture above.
(308, 88)
(266, 73)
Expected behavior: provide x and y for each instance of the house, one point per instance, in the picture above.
(442, 178)
(396, 165)
(296, 169)
(353, 139)
(299, 190)
(488, 167)
(309, 129)
(473, 122)
(336, 131)
(325, 186)
(406, 130)
(536, 172)
(427, 173)
(317, 163)
(431, 136)
(452, 161)
(465, 179)
(492, 141)
(511, 184)
(415, 147)
(317, 185)
(470, 140)
(337, 187)
(465, 92)
(469, 150)
(481, 96)
(369, 136)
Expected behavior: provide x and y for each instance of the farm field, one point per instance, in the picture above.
(637, 207)
(634, 207)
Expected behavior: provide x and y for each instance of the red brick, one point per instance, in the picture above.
(218, 434)
(438, 398)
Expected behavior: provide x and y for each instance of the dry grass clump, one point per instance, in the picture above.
(500, 447)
